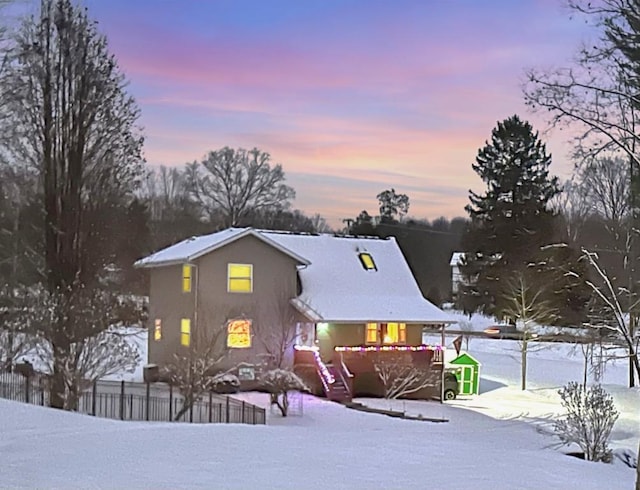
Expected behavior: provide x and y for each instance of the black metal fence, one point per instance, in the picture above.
(156, 402)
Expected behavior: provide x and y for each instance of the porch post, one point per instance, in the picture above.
(442, 371)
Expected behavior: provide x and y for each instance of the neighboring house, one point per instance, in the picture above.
(346, 296)
(457, 259)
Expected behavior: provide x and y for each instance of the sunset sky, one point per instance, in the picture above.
(351, 97)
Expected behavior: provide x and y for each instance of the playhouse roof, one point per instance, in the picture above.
(336, 284)
(465, 360)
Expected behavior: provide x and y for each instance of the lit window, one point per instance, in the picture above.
(186, 278)
(394, 333)
(240, 278)
(157, 329)
(372, 333)
(185, 332)
(239, 334)
(367, 261)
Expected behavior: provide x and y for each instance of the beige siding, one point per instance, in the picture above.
(274, 284)
(348, 334)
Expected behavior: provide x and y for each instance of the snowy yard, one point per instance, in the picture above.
(492, 441)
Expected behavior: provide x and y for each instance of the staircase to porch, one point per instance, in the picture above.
(334, 376)
(338, 390)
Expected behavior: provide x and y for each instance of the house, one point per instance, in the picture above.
(457, 259)
(325, 301)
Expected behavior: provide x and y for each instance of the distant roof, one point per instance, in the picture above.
(336, 287)
(456, 258)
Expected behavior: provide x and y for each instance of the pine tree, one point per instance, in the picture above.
(511, 221)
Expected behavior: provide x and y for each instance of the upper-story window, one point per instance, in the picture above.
(240, 278)
(367, 261)
(186, 278)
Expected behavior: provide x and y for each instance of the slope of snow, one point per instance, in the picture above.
(496, 440)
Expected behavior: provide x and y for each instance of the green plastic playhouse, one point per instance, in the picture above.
(467, 369)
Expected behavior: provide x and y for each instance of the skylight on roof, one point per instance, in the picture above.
(367, 261)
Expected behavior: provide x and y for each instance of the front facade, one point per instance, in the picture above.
(269, 297)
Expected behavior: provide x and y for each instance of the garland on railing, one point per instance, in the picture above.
(324, 371)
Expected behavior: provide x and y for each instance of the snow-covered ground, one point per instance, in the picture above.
(496, 440)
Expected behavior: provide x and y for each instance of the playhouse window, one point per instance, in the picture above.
(185, 332)
(186, 278)
(157, 329)
(240, 278)
(239, 334)
(367, 261)
(394, 333)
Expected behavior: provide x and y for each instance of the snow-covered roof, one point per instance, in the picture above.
(194, 247)
(456, 258)
(336, 287)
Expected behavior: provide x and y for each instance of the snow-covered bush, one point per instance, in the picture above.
(400, 376)
(279, 382)
(225, 383)
(590, 417)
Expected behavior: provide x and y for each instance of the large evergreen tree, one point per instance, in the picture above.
(511, 222)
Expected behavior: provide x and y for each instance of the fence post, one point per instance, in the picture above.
(148, 399)
(242, 420)
(253, 410)
(42, 388)
(27, 388)
(210, 408)
(122, 400)
(228, 410)
(191, 413)
(170, 403)
(94, 396)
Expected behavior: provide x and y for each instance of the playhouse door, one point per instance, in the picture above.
(466, 381)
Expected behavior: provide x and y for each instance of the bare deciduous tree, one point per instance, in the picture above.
(400, 376)
(620, 304)
(590, 417)
(237, 182)
(194, 370)
(104, 346)
(279, 382)
(527, 306)
(392, 205)
(276, 330)
(65, 113)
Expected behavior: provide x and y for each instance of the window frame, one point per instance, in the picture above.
(187, 278)
(231, 278)
(367, 262)
(246, 321)
(400, 333)
(185, 332)
(371, 327)
(157, 329)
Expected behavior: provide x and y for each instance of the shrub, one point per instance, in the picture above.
(590, 417)
(279, 382)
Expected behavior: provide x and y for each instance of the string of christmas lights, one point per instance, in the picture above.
(389, 348)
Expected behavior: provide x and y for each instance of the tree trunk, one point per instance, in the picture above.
(524, 362)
